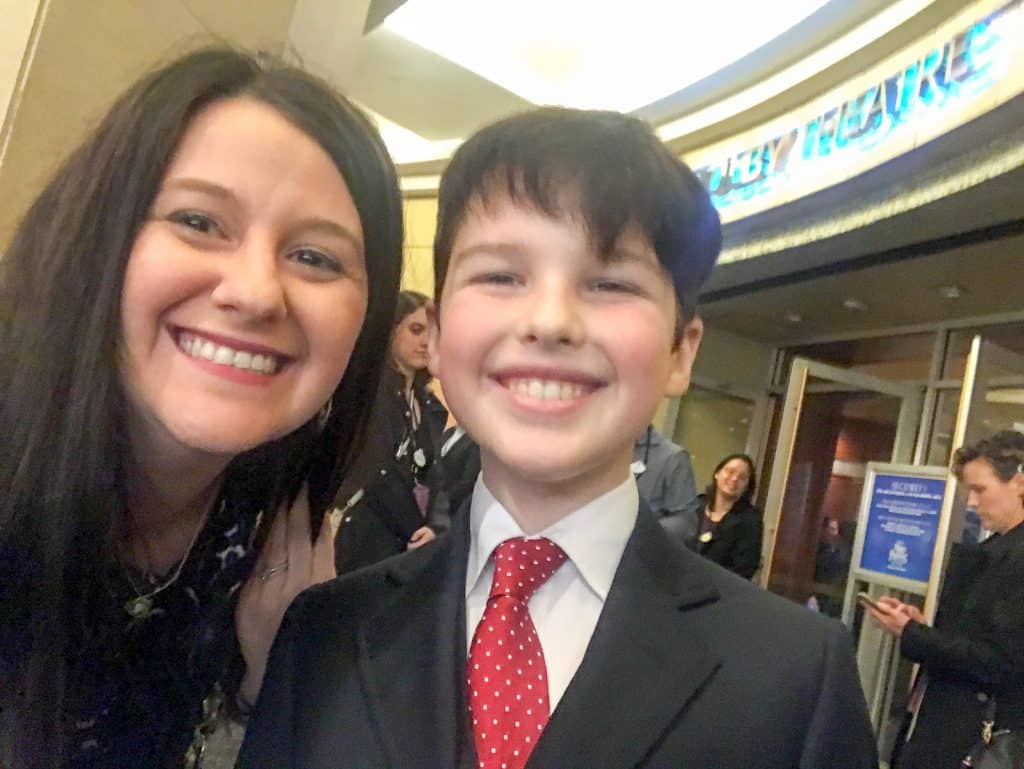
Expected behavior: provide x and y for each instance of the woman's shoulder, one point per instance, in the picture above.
(746, 509)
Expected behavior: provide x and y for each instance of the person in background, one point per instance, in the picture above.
(726, 526)
(406, 430)
(457, 473)
(831, 564)
(191, 317)
(972, 659)
(664, 474)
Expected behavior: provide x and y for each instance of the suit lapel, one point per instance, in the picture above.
(645, 662)
(412, 655)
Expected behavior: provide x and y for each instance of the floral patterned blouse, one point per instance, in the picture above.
(144, 689)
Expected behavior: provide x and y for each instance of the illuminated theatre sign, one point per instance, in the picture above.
(937, 88)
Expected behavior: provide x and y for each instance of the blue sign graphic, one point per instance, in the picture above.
(903, 522)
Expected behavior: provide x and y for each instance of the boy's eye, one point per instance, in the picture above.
(196, 221)
(499, 278)
(316, 259)
(613, 285)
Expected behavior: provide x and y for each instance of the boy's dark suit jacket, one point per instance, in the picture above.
(688, 666)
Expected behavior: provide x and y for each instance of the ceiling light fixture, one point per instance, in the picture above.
(951, 292)
(854, 305)
(579, 53)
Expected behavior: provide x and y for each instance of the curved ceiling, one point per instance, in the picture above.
(433, 71)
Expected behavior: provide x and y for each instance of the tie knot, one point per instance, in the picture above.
(522, 565)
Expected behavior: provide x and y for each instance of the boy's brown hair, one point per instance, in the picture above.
(607, 169)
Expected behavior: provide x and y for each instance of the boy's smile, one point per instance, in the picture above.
(552, 358)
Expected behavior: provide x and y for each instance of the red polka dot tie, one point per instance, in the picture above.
(508, 680)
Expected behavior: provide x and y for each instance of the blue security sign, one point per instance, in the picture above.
(902, 525)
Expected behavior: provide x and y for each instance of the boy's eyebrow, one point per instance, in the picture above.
(499, 248)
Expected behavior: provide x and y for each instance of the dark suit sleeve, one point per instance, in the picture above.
(269, 733)
(746, 555)
(839, 735)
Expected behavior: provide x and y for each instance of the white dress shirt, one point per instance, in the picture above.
(564, 609)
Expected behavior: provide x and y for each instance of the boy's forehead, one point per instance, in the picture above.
(498, 213)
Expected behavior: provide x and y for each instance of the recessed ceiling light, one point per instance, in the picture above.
(581, 53)
(854, 304)
(794, 317)
(951, 292)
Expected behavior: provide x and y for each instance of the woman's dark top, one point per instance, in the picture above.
(381, 524)
(137, 686)
(735, 541)
(974, 651)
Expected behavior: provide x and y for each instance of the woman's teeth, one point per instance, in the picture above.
(226, 356)
(545, 389)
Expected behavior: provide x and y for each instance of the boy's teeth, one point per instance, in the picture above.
(544, 389)
(226, 356)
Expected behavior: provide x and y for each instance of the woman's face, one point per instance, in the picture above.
(409, 343)
(999, 503)
(245, 289)
(733, 478)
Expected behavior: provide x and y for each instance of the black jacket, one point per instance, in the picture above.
(735, 542)
(975, 650)
(380, 525)
(368, 672)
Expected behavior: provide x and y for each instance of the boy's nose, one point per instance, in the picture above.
(552, 317)
(251, 284)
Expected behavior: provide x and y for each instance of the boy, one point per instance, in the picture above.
(556, 625)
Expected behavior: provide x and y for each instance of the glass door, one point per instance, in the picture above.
(834, 421)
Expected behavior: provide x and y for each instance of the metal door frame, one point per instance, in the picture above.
(800, 371)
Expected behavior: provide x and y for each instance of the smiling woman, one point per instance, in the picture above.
(191, 314)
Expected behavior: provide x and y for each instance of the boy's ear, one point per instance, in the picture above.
(433, 329)
(682, 358)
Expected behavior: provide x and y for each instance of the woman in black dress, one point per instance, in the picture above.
(405, 435)
(729, 527)
(191, 315)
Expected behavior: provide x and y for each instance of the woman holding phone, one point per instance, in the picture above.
(975, 651)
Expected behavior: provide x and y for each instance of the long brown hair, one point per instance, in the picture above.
(61, 398)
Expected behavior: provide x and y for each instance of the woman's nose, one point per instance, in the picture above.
(251, 283)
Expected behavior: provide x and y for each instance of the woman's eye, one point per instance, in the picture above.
(196, 221)
(318, 260)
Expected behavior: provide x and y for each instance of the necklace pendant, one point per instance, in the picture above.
(139, 608)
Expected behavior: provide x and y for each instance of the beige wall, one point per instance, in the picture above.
(15, 33)
(728, 361)
(420, 222)
(87, 52)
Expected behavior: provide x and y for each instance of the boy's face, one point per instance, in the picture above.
(550, 359)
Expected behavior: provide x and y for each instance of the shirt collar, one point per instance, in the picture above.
(593, 536)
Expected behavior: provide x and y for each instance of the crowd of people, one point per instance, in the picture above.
(203, 342)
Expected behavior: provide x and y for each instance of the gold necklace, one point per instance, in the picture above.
(141, 606)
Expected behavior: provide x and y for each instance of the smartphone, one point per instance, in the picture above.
(867, 600)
